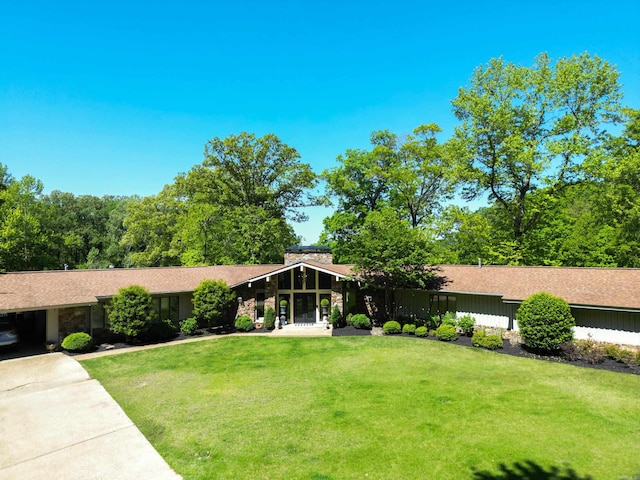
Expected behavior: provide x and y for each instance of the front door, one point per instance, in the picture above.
(304, 309)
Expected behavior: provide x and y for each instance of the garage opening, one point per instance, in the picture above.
(31, 326)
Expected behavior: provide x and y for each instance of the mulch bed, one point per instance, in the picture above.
(515, 350)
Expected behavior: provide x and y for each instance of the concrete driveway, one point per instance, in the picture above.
(56, 422)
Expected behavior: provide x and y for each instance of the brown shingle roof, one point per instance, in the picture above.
(603, 287)
(39, 290)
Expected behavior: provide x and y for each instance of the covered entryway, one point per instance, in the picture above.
(304, 308)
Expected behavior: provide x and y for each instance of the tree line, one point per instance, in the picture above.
(549, 149)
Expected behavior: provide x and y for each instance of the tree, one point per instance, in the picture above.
(389, 254)
(242, 171)
(410, 176)
(211, 299)
(545, 321)
(130, 312)
(529, 129)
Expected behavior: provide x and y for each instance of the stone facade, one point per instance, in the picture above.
(315, 254)
(73, 319)
(336, 294)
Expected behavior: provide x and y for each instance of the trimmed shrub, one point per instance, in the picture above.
(409, 328)
(336, 318)
(391, 328)
(159, 332)
(349, 319)
(446, 332)
(244, 323)
(189, 326)
(269, 319)
(466, 324)
(324, 302)
(481, 339)
(130, 311)
(78, 342)
(545, 322)
(361, 321)
(421, 332)
(211, 300)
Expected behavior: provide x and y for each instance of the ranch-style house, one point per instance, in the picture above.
(47, 306)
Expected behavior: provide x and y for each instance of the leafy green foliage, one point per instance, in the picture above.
(545, 321)
(449, 318)
(466, 324)
(446, 333)
(336, 319)
(481, 339)
(131, 311)
(527, 130)
(269, 318)
(421, 332)
(159, 331)
(391, 328)
(361, 321)
(409, 328)
(77, 342)
(244, 324)
(189, 326)
(211, 300)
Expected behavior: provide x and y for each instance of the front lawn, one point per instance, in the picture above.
(375, 408)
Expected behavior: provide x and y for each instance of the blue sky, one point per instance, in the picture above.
(118, 97)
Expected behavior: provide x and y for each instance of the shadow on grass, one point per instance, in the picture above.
(529, 470)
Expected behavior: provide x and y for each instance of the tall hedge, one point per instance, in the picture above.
(131, 311)
(211, 300)
(545, 322)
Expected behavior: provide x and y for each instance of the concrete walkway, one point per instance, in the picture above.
(56, 422)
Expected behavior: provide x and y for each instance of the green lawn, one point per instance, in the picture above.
(372, 407)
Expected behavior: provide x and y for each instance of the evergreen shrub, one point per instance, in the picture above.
(335, 318)
(244, 323)
(361, 321)
(421, 332)
(409, 328)
(446, 332)
(159, 331)
(269, 318)
(391, 327)
(78, 342)
(545, 322)
(481, 339)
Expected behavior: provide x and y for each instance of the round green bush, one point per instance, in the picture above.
(269, 319)
(421, 331)
(545, 322)
(244, 323)
(391, 327)
(361, 321)
(324, 302)
(189, 326)
(481, 339)
(78, 342)
(446, 332)
(159, 332)
(409, 328)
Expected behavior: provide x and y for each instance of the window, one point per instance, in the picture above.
(284, 280)
(324, 281)
(441, 304)
(167, 308)
(259, 305)
(310, 279)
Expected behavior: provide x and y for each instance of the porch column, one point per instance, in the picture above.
(52, 325)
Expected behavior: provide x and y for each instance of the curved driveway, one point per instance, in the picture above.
(57, 422)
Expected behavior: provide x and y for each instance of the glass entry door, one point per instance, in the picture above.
(304, 309)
